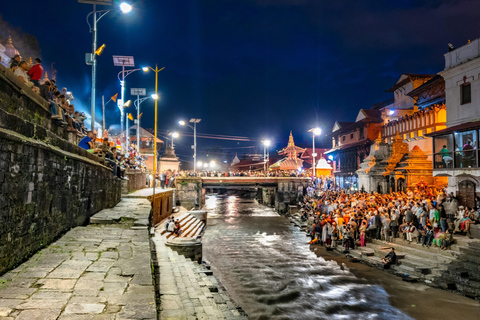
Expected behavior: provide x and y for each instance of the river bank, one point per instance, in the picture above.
(268, 268)
(415, 299)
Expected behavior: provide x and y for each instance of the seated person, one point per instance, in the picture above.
(87, 143)
(390, 258)
(21, 73)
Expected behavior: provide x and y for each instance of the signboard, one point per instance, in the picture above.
(138, 91)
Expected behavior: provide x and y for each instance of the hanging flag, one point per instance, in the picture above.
(114, 98)
(140, 115)
(130, 116)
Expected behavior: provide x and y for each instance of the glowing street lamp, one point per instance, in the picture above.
(125, 7)
(174, 135)
(315, 132)
(194, 121)
(91, 58)
(200, 164)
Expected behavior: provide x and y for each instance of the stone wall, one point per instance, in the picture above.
(48, 184)
(189, 192)
(136, 180)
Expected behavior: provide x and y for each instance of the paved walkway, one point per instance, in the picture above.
(188, 290)
(97, 272)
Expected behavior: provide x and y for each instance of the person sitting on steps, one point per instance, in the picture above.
(390, 258)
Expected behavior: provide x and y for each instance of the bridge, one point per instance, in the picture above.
(274, 191)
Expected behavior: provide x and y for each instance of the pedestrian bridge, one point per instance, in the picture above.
(190, 191)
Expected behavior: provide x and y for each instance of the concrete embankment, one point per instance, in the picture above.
(187, 289)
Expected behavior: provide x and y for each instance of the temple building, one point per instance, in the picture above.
(291, 161)
(455, 148)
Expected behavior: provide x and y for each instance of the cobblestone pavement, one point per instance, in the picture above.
(96, 272)
(188, 290)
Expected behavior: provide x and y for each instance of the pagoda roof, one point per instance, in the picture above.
(287, 164)
(291, 148)
(408, 77)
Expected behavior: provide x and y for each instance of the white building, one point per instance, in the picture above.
(456, 147)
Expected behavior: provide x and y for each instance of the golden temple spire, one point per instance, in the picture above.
(290, 140)
(379, 139)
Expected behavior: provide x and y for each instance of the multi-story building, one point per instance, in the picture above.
(401, 157)
(351, 143)
(456, 147)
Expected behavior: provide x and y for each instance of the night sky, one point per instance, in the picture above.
(253, 68)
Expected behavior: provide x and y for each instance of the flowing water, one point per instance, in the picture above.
(266, 265)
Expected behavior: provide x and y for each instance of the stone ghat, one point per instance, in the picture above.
(48, 184)
(93, 272)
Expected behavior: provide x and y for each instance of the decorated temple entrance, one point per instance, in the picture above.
(466, 193)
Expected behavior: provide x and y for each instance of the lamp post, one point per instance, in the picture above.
(194, 121)
(155, 97)
(266, 144)
(90, 57)
(315, 132)
(138, 92)
(123, 61)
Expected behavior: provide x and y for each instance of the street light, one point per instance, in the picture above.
(315, 132)
(200, 164)
(266, 144)
(125, 7)
(174, 135)
(155, 97)
(194, 121)
(138, 92)
(91, 58)
(123, 61)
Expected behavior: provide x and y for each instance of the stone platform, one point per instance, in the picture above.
(91, 273)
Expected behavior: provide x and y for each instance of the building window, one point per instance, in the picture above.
(351, 135)
(343, 138)
(361, 133)
(466, 93)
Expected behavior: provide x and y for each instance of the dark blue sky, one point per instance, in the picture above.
(256, 68)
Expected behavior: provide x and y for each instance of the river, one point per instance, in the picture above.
(267, 266)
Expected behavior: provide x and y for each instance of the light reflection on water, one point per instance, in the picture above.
(267, 267)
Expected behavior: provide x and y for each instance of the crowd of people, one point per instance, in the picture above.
(337, 218)
(107, 150)
(60, 101)
(238, 173)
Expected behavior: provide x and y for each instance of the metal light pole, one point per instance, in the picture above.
(138, 92)
(194, 121)
(91, 57)
(155, 97)
(266, 144)
(138, 102)
(315, 132)
(123, 61)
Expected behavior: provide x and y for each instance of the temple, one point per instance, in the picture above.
(291, 161)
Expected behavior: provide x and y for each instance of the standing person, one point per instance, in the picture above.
(36, 72)
(363, 229)
(378, 225)
(394, 223)
(386, 226)
(443, 218)
(163, 179)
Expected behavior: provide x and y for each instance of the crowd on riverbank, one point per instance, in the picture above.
(237, 173)
(337, 218)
